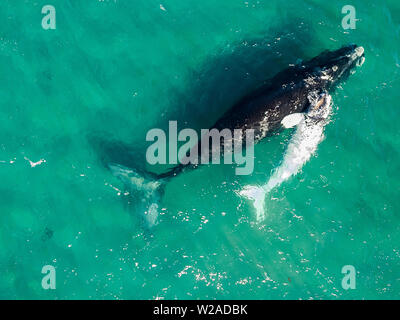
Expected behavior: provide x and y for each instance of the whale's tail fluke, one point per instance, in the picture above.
(144, 188)
(257, 195)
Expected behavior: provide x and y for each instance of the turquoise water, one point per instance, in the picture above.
(85, 95)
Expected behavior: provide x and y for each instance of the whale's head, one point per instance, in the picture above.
(334, 66)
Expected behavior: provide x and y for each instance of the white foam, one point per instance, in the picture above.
(34, 164)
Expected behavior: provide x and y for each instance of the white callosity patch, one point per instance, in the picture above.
(361, 62)
(309, 133)
(357, 56)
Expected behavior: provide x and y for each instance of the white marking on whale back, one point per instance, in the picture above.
(264, 127)
(303, 144)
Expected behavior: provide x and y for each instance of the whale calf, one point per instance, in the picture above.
(303, 144)
(297, 96)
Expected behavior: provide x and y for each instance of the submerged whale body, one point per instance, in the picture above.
(298, 96)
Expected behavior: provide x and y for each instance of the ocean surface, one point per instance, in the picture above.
(82, 96)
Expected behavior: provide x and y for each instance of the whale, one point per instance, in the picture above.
(303, 144)
(298, 96)
(288, 92)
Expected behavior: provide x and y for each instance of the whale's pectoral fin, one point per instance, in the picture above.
(292, 120)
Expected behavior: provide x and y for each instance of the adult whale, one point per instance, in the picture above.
(289, 91)
(284, 100)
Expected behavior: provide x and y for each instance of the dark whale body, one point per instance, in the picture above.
(290, 91)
